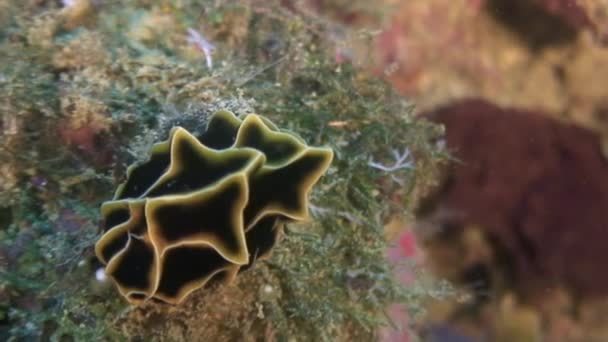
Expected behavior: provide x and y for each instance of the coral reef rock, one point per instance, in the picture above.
(538, 189)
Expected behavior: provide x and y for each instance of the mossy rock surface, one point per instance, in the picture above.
(89, 92)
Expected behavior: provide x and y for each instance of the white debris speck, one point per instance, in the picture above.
(68, 3)
(260, 310)
(196, 38)
(100, 275)
(402, 161)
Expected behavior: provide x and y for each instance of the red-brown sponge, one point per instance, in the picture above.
(538, 187)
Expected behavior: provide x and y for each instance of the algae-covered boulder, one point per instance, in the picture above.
(211, 196)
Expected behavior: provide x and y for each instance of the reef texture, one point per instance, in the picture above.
(536, 187)
(206, 207)
(89, 87)
(548, 55)
(519, 225)
(527, 57)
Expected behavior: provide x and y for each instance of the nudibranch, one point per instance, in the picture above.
(206, 207)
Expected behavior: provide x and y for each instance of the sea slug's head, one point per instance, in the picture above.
(205, 207)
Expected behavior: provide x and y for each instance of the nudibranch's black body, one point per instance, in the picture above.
(206, 206)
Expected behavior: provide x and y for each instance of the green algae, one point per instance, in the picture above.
(327, 279)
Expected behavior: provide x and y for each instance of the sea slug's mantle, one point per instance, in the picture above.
(206, 207)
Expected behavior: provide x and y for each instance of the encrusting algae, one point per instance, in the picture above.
(206, 207)
(83, 104)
